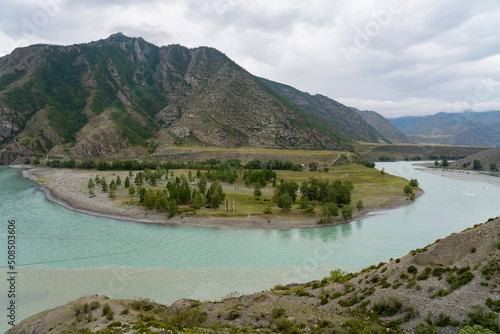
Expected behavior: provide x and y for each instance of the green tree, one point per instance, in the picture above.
(90, 185)
(196, 203)
(127, 182)
(149, 199)
(172, 208)
(268, 211)
(142, 193)
(289, 187)
(330, 209)
(202, 183)
(118, 181)
(445, 162)
(414, 183)
(161, 201)
(359, 205)
(184, 192)
(285, 201)
(104, 186)
(91, 192)
(304, 202)
(436, 163)
(112, 194)
(408, 190)
(215, 195)
(190, 176)
(493, 167)
(257, 192)
(139, 179)
(131, 190)
(347, 212)
(477, 165)
(112, 185)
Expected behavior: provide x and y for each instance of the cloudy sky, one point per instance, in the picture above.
(393, 56)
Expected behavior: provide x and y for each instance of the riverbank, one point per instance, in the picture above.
(68, 188)
(463, 175)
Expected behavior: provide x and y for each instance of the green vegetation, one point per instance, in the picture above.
(477, 165)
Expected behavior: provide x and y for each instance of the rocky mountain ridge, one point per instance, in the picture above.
(466, 128)
(125, 97)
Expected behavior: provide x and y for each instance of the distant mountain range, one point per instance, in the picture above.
(124, 97)
(384, 126)
(467, 128)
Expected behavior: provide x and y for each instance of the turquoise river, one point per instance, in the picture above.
(62, 255)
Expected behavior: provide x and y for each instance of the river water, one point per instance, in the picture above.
(63, 255)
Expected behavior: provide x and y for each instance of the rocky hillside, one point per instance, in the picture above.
(467, 128)
(450, 285)
(330, 112)
(125, 97)
(488, 161)
(383, 126)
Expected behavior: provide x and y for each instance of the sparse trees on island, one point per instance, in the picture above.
(178, 193)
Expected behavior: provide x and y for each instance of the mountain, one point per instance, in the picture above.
(467, 128)
(125, 97)
(332, 113)
(383, 126)
(489, 160)
(451, 285)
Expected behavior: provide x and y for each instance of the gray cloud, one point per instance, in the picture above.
(395, 57)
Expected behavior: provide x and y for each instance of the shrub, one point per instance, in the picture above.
(412, 269)
(188, 318)
(443, 320)
(108, 312)
(233, 315)
(476, 329)
(425, 328)
(480, 317)
(387, 307)
(494, 305)
(277, 313)
(94, 305)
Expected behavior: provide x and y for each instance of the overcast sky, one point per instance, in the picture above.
(395, 57)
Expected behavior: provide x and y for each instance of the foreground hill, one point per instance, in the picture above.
(125, 97)
(489, 161)
(451, 284)
(467, 128)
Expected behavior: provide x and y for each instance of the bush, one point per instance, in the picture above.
(108, 312)
(188, 318)
(277, 312)
(233, 315)
(425, 328)
(347, 212)
(94, 305)
(480, 317)
(387, 307)
(494, 305)
(412, 269)
(476, 329)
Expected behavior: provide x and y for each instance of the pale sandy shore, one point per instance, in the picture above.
(463, 175)
(67, 188)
